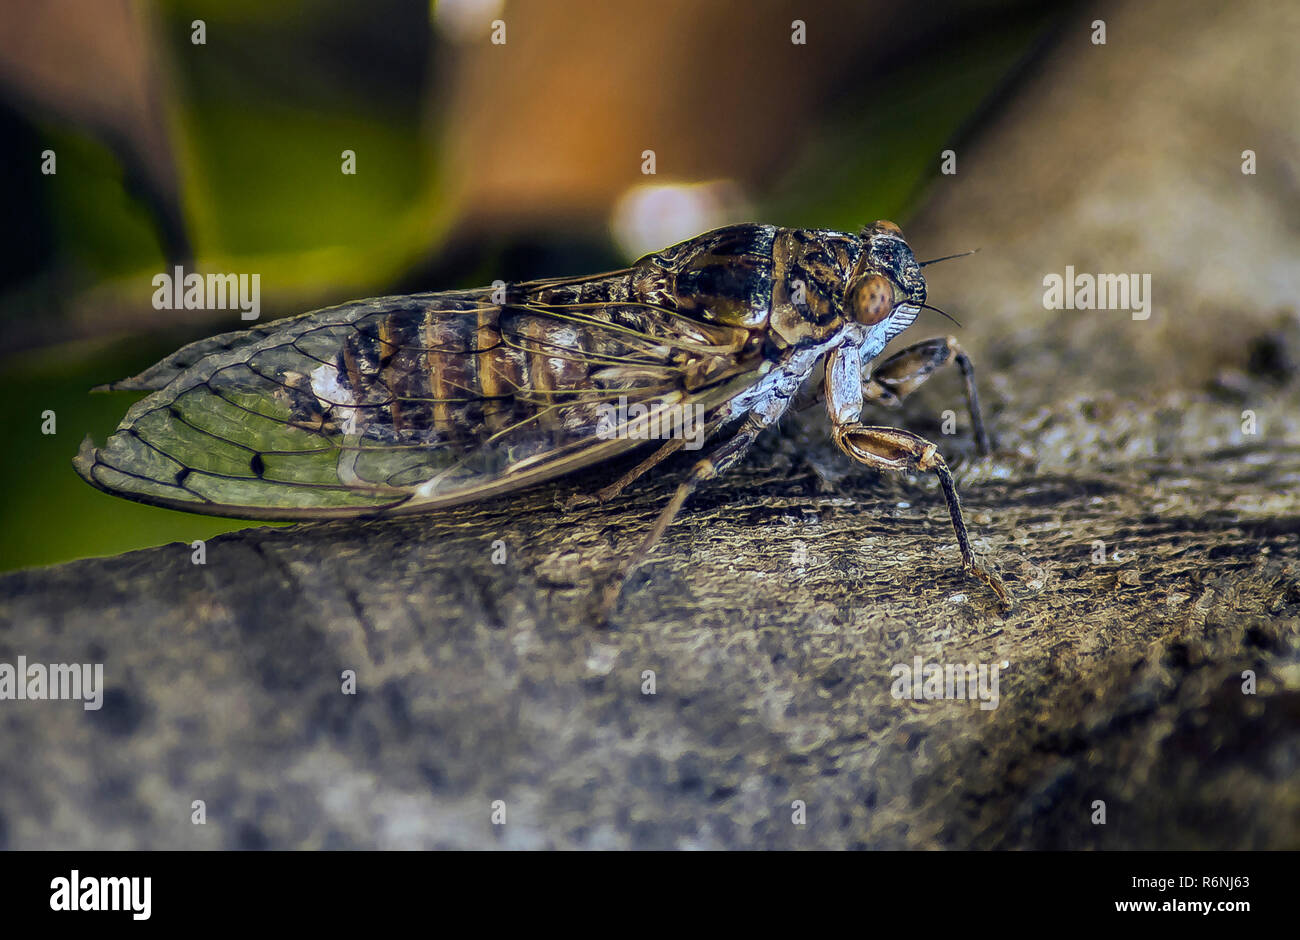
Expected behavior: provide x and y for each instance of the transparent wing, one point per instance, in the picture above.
(399, 404)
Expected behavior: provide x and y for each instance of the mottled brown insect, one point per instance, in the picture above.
(408, 403)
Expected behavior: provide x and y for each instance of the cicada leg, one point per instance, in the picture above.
(715, 464)
(901, 374)
(898, 450)
(604, 494)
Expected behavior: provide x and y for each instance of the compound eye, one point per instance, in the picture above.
(871, 300)
(884, 225)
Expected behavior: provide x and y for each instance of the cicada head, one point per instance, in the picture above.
(886, 289)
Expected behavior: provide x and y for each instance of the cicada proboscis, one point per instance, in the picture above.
(409, 403)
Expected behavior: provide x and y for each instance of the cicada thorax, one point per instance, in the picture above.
(723, 276)
(809, 272)
(787, 284)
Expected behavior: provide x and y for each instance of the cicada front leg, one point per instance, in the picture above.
(898, 450)
(901, 374)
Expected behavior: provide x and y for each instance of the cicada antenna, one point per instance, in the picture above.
(944, 312)
(960, 254)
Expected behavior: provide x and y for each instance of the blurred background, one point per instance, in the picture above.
(490, 139)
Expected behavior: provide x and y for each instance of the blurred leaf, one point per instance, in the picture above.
(102, 229)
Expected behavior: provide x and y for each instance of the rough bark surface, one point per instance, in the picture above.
(773, 613)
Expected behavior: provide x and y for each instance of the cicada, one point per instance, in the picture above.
(408, 403)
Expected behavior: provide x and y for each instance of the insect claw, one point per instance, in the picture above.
(994, 584)
(576, 500)
(609, 589)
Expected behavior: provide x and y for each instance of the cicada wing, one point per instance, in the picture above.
(163, 373)
(405, 403)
